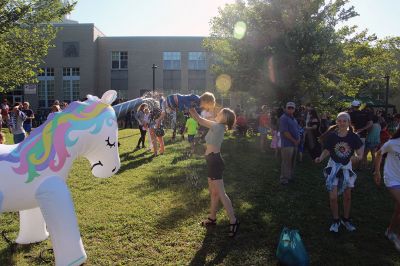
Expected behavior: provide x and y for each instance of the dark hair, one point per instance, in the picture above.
(375, 119)
(230, 117)
(396, 134)
(314, 114)
(383, 124)
(17, 104)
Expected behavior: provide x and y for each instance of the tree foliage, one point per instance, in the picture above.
(296, 50)
(26, 34)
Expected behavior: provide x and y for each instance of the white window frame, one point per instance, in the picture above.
(118, 56)
(69, 79)
(46, 76)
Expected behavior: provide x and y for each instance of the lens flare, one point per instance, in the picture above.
(223, 83)
(239, 30)
(271, 70)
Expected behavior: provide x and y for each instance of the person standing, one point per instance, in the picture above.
(191, 130)
(4, 111)
(313, 132)
(392, 182)
(361, 120)
(140, 116)
(263, 124)
(344, 148)
(290, 139)
(29, 116)
(17, 118)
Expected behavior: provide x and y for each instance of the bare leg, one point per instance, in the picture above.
(395, 221)
(154, 140)
(32, 228)
(347, 203)
(219, 186)
(334, 203)
(214, 196)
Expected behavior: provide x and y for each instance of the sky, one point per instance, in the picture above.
(192, 17)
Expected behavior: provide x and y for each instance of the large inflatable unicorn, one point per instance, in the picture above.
(34, 172)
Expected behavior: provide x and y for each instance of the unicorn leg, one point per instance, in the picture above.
(32, 227)
(58, 211)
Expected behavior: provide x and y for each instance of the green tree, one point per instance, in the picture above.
(366, 62)
(26, 34)
(290, 50)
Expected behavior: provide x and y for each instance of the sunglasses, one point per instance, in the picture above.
(290, 107)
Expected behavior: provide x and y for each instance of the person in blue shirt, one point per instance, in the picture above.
(290, 139)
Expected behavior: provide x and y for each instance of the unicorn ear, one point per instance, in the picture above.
(109, 97)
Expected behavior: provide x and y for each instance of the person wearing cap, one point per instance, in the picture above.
(290, 139)
(361, 120)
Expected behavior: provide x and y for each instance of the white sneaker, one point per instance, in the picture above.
(335, 227)
(349, 226)
(394, 238)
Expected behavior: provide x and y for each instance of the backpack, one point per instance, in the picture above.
(291, 250)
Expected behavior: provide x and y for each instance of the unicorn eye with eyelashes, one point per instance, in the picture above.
(109, 143)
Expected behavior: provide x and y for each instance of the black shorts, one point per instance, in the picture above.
(215, 166)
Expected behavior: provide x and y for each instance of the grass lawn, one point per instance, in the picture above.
(149, 213)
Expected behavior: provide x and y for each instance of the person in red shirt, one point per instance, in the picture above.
(385, 135)
(263, 125)
(241, 124)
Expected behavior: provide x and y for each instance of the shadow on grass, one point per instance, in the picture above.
(219, 248)
(7, 255)
(134, 160)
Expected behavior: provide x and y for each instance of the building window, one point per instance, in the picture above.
(197, 80)
(197, 61)
(119, 60)
(71, 49)
(172, 60)
(172, 80)
(71, 83)
(46, 87)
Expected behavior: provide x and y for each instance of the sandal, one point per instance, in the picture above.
(233, 228)
(209, 222)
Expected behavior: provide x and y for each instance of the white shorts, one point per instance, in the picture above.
(391, 182)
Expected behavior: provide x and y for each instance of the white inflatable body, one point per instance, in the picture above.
(34, 172)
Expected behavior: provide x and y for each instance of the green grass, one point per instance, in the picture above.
(148, 213)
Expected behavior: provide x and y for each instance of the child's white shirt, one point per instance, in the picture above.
(392, 162)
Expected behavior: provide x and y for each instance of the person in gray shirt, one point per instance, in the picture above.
(16, 125)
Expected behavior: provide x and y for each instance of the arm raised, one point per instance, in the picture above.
(204, 122)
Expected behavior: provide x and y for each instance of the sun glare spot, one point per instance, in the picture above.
(239, 30)
(223, 83)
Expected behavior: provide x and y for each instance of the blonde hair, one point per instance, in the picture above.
(207, 97)
(344, 114)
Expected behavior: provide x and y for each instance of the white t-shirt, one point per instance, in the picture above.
(392, 163)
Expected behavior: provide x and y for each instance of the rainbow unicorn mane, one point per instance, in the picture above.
(46, 147)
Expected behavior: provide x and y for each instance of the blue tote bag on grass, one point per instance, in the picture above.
(291, 250)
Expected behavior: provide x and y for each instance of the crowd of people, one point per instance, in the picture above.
(20, 118)
(345, 141)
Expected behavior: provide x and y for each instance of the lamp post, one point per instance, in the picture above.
(387, 77)
(154, 76)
